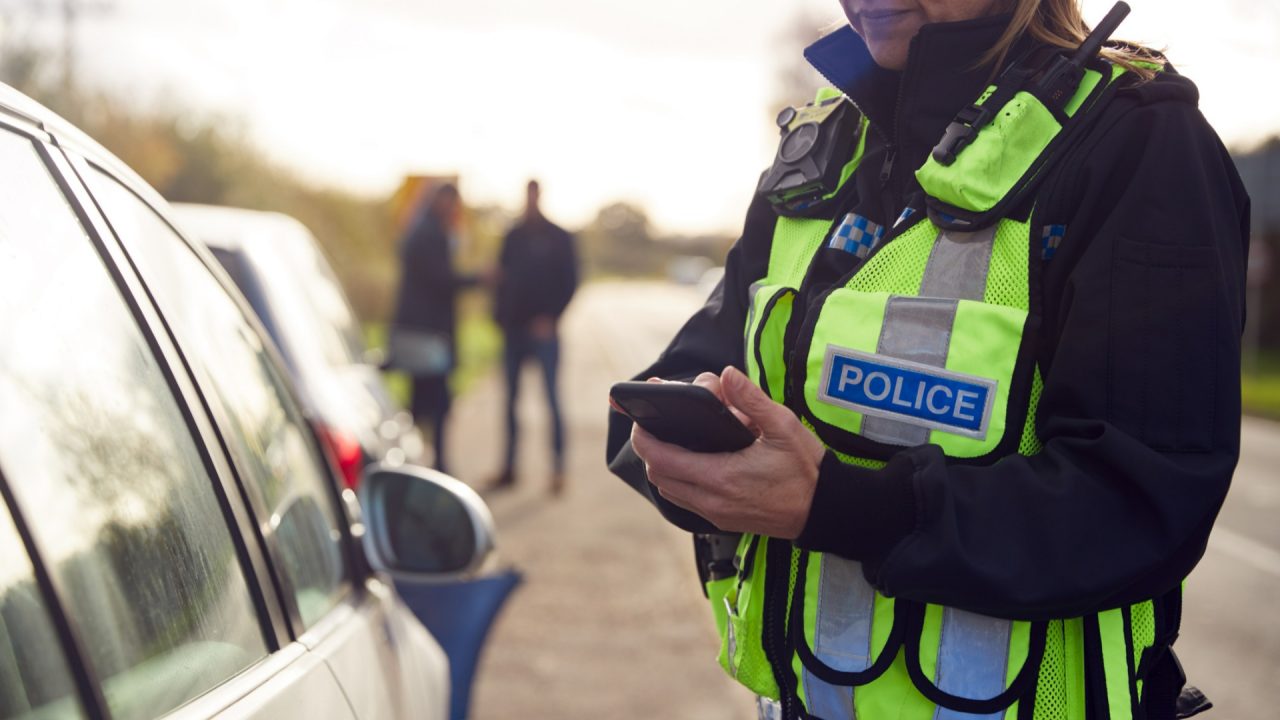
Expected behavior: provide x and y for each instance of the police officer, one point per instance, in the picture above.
(992, 361)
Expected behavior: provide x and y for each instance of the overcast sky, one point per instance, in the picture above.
(662, 102)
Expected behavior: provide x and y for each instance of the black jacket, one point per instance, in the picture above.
(1139, 346)
(539, 273)
(429, 285)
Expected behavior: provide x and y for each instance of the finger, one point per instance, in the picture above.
(742, 418)
(710, 381)
(741, 393)
(677, 491)
(689, 496)
(642, 441)
(664, 458)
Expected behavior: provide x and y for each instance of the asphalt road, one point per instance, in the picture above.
(1230, 644)
(611, 622)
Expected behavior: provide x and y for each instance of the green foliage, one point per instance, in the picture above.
(1260, 386)
(620, 242)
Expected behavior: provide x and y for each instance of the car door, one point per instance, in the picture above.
(137, 553)
(387, 665)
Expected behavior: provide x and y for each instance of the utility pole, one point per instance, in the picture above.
(68, 14)
(1260, 260)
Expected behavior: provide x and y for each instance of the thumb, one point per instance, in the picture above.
(747, 397)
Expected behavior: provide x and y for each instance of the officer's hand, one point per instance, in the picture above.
(711, 382)
(766, 488)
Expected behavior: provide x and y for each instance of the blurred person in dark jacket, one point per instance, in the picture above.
(537, 275)
(423, 336)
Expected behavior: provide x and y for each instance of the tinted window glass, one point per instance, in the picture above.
(100, 458)
(34, 676)
(267, 434)
(304, 287)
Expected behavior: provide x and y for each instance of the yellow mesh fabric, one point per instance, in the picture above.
(795, 241)
(753, 674)
(751, 667)
(1051, 688)
(1008, 283)
(1143, 619)
(861, 462)
(899, 266)
(1031, 444)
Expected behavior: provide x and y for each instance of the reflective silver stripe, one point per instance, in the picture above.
(749, 334)
(731, 636)
(973, 659)
(842, 634)
(829, 702)
(767, 709)
(916, 329)
(958, 265)
(919, 328)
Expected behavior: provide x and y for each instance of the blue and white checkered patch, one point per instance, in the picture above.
(856, 235)
(905, 216)
(1052, 238)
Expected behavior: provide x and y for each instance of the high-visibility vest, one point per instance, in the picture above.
(926, 341)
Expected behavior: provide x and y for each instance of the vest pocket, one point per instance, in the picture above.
(844, 632)
(740, 603)
(967, 663)
(887, 371)
(764, 355)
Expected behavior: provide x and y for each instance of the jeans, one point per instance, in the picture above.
(430, 405)
(519, 346)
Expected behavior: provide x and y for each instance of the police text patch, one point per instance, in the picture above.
(908, 392)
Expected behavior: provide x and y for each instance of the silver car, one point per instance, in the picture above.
(175, 541)
(278, 265)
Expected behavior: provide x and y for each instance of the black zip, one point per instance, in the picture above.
(777, 580)
(886, 168)
(887, 204)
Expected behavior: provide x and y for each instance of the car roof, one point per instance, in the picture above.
(22, 109)
(234, 229)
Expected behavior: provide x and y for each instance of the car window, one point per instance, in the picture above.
(103, 466)
(307, 299)
(35, 679)
(268, 437)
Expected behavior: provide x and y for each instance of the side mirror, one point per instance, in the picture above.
(422, 524)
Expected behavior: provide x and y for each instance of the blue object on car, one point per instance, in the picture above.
(459, 615)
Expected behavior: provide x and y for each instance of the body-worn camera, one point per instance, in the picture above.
(817, 142)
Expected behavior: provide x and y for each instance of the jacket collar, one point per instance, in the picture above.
(912, 108)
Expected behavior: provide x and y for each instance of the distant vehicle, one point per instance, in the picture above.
(710, 279)
(175, 540)
(279, 266)
(687, 269)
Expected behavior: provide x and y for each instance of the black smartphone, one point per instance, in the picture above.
(682, 414)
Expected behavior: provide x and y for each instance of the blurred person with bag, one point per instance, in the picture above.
(423, 340)
(536, 278)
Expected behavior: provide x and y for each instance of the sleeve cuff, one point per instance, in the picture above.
(860, 513)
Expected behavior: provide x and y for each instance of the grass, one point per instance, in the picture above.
(1260, 386)
(479, 348)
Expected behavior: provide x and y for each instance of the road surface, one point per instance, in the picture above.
(611, 622)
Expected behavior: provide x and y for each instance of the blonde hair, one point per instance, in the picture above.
(1061, 24)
